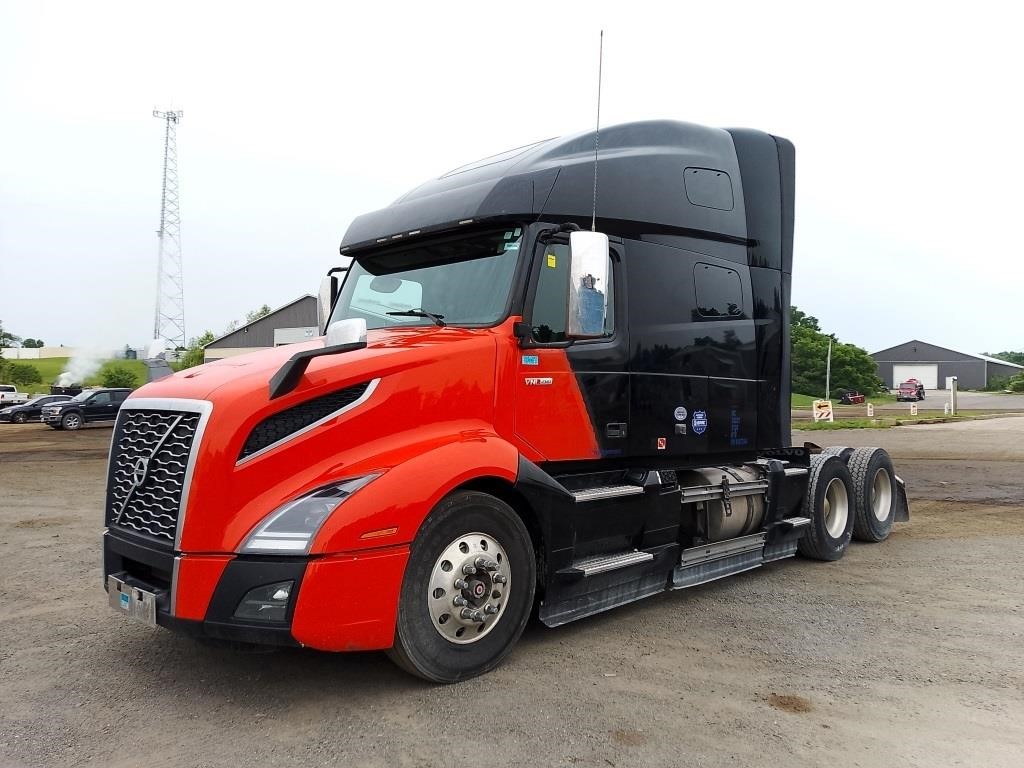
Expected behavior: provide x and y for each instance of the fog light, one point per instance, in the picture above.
(266, 603)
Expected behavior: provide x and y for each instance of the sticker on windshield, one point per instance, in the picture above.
(552, 262)
(680, 413)
(511, 246)
(531, 360)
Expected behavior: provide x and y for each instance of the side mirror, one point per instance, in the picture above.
(346, 332)
(588, 285)
(329, 287)
(325, 300)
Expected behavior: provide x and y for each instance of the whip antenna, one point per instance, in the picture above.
(597, 128)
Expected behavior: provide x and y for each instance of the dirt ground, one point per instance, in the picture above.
(905, 653)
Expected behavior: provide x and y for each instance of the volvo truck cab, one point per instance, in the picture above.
(513, 408)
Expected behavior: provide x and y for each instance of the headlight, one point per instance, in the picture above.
(289, 529)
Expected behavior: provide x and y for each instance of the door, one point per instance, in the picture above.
(99, 407)
(572, 400)
(926, 373)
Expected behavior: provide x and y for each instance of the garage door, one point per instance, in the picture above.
(927, 374)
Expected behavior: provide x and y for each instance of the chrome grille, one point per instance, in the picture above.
(146, 479)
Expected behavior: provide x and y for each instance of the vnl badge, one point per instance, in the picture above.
(699, 423)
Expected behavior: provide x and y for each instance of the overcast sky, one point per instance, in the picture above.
(299, 116)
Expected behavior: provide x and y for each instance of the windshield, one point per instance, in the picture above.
(463, 280)
(83, 396)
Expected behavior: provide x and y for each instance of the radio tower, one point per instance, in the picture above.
(169, 325)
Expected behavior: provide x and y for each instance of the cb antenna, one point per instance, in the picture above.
(597, 129)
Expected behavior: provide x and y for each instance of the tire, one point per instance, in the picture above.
(71, 421)
(18, 418)
(829, 533)
(432, 639)
(874, 491)
(835, 450)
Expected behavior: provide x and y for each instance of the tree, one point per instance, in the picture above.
(117, 376)
(31, 343)
(852, 367)
(7, 339)
(256, 314)
(23, 374)
(194, 352)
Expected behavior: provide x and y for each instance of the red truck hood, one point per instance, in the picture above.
(432, 384)
(249, 374)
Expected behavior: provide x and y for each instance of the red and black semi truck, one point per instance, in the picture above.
(508, 412)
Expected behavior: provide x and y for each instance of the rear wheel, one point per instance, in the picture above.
(468, 589)
(829, 506)
(874, 489)
(71, 421)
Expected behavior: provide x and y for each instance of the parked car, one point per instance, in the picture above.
(9, 395)
(850, 397)
(30, 411)
(91, 405)
(911, 389)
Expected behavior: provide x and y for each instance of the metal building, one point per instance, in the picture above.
(295, 321)
(931, 365)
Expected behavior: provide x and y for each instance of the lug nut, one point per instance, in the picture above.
(468, 569)
(490, 609)
(472, 615)
(461, 584)
(487, 565)
(499, 578)
(459, 600)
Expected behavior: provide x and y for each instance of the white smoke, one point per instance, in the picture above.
(156, 350)
(84, 364)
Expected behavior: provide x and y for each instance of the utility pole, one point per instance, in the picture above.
(169, 323)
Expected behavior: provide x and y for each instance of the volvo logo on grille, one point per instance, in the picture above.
(139, 472)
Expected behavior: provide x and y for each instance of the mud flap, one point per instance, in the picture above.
(902, 505)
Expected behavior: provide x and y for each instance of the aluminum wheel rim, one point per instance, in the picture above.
(73, 422)
(881, 495)
(469, 584)
(837, 507)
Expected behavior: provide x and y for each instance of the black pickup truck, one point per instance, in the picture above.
(91, 405)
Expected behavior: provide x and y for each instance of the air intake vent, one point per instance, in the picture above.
(299, 418)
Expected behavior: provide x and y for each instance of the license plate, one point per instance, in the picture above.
(131, 601)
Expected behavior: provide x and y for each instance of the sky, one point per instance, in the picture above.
(299, 116)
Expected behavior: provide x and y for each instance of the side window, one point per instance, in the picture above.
(719, 291)
(120, 397)
(103, 398)
(550, 304)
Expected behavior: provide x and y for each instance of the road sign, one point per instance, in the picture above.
(822, 410)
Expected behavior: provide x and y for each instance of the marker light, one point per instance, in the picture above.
(289, 529)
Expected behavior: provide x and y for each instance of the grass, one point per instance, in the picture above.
(51, 367)
(805, 401)
(880, 423)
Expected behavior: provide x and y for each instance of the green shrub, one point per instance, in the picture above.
(23, 374)
(117, 376)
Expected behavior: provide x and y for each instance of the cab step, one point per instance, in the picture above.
(796, 522)
(606, 492)
(590, 566)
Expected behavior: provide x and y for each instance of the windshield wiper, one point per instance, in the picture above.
(420, 312)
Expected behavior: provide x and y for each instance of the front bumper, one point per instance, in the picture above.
(51, 418)
(337, 602)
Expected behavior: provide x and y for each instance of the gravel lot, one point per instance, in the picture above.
(907, 653)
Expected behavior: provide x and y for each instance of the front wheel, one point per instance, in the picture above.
(468, 589)
(71, 421)
(18, 418)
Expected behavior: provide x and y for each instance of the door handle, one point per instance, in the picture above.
(615, 429)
